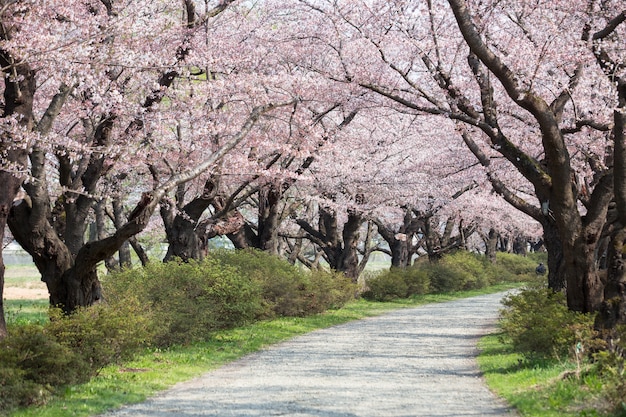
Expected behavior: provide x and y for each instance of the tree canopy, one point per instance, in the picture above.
(277, 123)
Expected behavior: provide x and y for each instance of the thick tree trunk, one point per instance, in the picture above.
(491, 244)
(119, 220)
(19, 91)
(348, 254)
(400, 242)
(97, 231)
(584, 286)
(613, 309)
(269, 217)
(552, 242)
(9, 185)
(185, 241)
(400, 252)
(519, 246)
(340, 248)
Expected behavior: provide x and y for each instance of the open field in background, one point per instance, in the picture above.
(23, 282)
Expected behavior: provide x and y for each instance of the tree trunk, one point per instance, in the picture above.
(119, 220)
(340, 248)
(400, 252)
(19, 91)
(552, 242)
(519, 246)
(185, 241)
(269, 217)
(491, 243)
(97, 231)
(348, 255)
(613, 309)
(400, 242)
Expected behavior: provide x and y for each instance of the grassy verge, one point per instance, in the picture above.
(156, 370)
(546, 388)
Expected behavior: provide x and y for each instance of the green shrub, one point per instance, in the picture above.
(610, 364)
(33, 364)
(397, 283)
(189, 300)
(286, 289)
(103, 333)
(538, 324)
(18, 391)
(35, 360)
(520, 265)
(386, 286)
(329, 290)
(457, 272)
(40, 357)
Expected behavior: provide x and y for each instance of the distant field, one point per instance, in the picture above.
(23, 282)
(22, 276)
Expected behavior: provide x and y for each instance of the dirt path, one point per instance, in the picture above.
(412, 362)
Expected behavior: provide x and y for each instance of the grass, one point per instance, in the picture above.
(19, 312)
(547, 388)
(156, 370)
(23, 276)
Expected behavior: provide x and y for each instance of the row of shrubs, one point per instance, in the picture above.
(161, 305)
(460, 271)
(165, 304)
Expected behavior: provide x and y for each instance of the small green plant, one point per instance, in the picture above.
(538, 323)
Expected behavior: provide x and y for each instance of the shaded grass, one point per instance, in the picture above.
(542, 388)
(158, 369)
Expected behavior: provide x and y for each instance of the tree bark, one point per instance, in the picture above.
(491, 243)
(340, 247)
(19, 91)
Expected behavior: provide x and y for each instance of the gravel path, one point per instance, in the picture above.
(411, 362)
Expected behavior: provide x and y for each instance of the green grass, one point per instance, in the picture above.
(25, 311)
(541, 388)
(21, 275)
(156, 370)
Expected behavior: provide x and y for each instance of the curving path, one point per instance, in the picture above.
(411, 362)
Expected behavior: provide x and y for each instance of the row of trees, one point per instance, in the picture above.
(285, 123)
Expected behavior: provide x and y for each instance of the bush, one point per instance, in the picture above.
(189, 300)
(329, 290)
(17, 391)
(538, 324)
(386, 286)
(35, 360)
(397, 283)
(103, 333)
(519, 266)
(286, 289)
(610, 364)
(458, 272)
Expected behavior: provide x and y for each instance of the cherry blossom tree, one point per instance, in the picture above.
(521, 81)
(144, 85)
